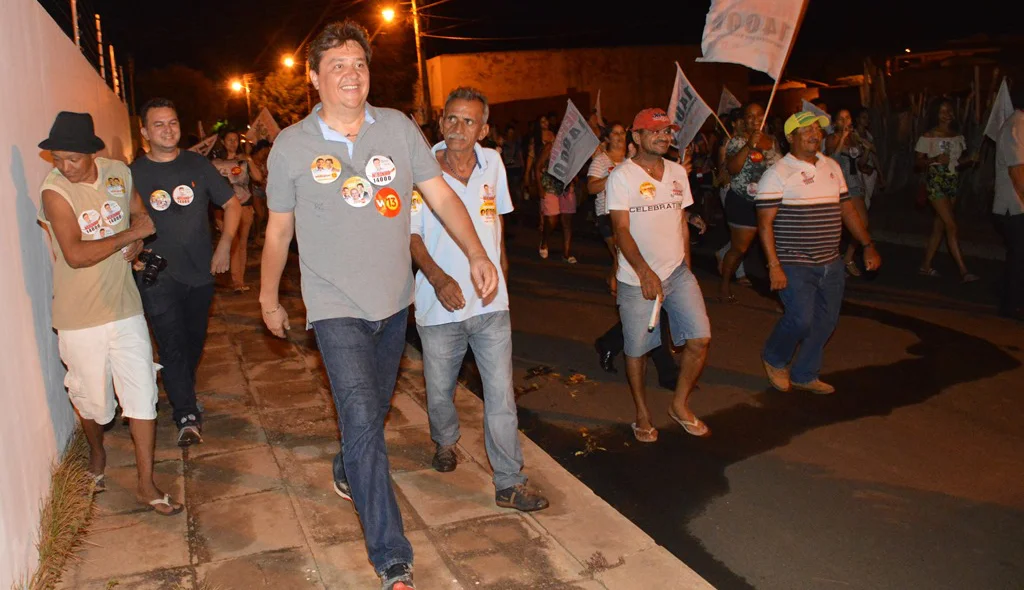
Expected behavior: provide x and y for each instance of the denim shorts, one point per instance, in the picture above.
(684, 304)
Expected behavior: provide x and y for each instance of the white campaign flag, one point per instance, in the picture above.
(687, 109)
(263, 127)
(727, 102)
(753, 33)
(204, 146)
(574, 145)
(806, 106)
(1002, 109)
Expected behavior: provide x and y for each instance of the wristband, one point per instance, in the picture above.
(272, 310)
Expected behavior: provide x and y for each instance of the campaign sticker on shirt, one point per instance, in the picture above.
(325, 169)
(356, 191)
(647, 190)
(854, 152)
(417, 202)
(756, 156)
(387, 202)
(89, 221)
(115, 186)
(160, 200)
(677, 188)
(183, 195)
(752, 189)
(488, 210)
(380, 170)
(105, 232)
(807, 176)
(236, 170)
(112, 213)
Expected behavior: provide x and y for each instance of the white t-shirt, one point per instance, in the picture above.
(600, 167)
(933, 146)
(656, 215)
(1009, 152)
(486, 198)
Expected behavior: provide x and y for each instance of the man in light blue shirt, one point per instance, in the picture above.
(451, 316)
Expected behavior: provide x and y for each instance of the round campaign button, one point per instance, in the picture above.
(647, 190)
(115, 186)
(183, 195)
(112, 213)
(236, 170)
(325, 169)
(387, 202)
(380, 170)
(356, 191)
(160, 200)
(416, 203)
(756, 156)
(488, 210)
(105, 232)
(89, 221)
(752, 189)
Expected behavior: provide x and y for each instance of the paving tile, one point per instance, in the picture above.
(228, 475)
(121, 450)
(265, 349)
(222, 434)
(122, 483)
(223, 378)
(113, 549)
(405, 412)
(442, 498)
(241, 526)
(270, 371)
(171, 579)
(650, 569)
(290, 429)
(290, 569)
(346, 565)
(294, 394)
(409, 449)
(219, 403)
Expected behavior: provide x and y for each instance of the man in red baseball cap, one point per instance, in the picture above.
(647, 197)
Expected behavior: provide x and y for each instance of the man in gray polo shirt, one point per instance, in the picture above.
(355, 263)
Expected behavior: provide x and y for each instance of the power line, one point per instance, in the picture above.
(524, 38)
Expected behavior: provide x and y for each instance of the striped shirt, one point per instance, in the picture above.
(809, 221)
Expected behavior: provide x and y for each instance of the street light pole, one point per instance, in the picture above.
(422, 99)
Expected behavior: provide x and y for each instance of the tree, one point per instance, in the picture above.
(283, 92)
(195, 96)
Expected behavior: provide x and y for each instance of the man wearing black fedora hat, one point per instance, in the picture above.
(97, 311)
(177, 187)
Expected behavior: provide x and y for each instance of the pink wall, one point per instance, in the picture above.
(41, 73)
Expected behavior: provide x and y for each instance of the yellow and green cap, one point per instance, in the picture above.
(804, 119)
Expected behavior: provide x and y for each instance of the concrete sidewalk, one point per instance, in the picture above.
(261, 511)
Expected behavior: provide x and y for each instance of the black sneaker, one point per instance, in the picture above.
(521, 498)
(190, 432)
(343, 489)
(445, 459)
(397, 577)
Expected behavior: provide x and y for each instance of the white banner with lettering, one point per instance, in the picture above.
(687, 109)
(727, 102)
(204, 147)
(753, 33)
(573, 146)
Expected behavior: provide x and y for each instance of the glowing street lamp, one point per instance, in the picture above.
(288, 61)
(388, 14)
(238, 86)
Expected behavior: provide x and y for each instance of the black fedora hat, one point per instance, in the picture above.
(73, 132)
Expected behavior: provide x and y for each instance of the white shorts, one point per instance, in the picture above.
(117, 356)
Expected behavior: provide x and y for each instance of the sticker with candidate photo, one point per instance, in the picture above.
(89, 221)
(356, 191)
(183, 195)
(380, 170)
(105, 232)
(112, 213)
(115, 186)
(647, 190)
(387, 202)
(160, 200)
(416, 204)
(325, 169)
(752, 189)
(488, 210)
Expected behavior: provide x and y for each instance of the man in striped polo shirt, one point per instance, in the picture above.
(802, 205)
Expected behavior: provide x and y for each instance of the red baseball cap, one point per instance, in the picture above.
(653, 120)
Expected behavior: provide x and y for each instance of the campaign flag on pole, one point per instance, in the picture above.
(202, 132)
(687, 109)
(727, 102)
(573, 146)
(204, 146)
(263, 127)
(806, 106)
(1002, 109)
(597, 109)
(753, 33)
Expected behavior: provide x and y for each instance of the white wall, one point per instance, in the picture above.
(41, 73)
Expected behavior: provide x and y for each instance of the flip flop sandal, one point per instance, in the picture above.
(928, 272)
(645, 435)
(99, 483)
(970, 278)
(695, 428)
(165, 501)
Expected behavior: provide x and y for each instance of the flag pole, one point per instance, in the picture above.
(775, 86)
(727, 134)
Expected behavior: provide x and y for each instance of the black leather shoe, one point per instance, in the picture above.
(605, 358)
(445, 459)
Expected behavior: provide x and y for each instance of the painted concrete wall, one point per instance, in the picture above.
(629, 78)
(41, 73)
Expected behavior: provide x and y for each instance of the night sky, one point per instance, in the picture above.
(224, 38)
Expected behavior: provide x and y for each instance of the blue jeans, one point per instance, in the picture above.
(444, 347)
(812, 298)
(362, 358)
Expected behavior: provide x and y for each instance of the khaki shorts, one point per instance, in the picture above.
(114, 357)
